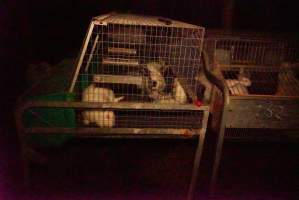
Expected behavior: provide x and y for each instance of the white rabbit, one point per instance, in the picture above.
(156, 91)
(238, 86)
(158, 81)
(180, 95)
(166, 99)
(100, 118)
(97, 94)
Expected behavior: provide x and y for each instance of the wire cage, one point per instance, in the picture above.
(260, 94)
(135, 77)
(261, 78)
(135, 61)
(256, 66)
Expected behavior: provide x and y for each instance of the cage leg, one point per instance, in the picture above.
(24, 158)
(218, 155)
(36, 157)
(216, 164)
(196, 164)
(25, 162)
(26, 170)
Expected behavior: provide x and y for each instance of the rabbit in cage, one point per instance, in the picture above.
(180, 95)
(288, 82)
(238, 86)
(170, 89)
(98, 94)
(157, 80)
(100, 118)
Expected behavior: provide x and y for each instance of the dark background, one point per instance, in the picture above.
(32, 31)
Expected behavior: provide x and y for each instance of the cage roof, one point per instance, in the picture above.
(130, 19)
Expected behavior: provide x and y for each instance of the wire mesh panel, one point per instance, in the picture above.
(135, 60)
(141, 118)
(255, 66)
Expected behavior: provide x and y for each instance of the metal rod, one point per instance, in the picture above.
(25, 164)
(120, 61)
(113, 105)
(197, 157)
(121, 79)
(218, 153)
(122, 51)
(91, 53)
(92, 131)
(82, 54)
(196, 164)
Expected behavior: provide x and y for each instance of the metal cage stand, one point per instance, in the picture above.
(29, 153)
(270, 98)
(196, 131)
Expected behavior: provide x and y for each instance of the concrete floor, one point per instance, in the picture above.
(148, 169)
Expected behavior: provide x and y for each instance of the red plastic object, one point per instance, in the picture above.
(198, 103)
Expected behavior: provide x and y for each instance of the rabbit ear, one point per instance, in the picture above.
(161, 63)
(92, 85)
(245, 81)
(119, 99)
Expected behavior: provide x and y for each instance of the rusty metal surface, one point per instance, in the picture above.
(259, 113)
(105, 132)
(119, 105)
(126, 115)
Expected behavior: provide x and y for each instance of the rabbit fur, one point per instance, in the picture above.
(97, 94)
(180, 95)
(238, 86)
(158, 81)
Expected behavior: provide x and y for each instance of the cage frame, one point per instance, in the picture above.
(29, 154)
(229, 114)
